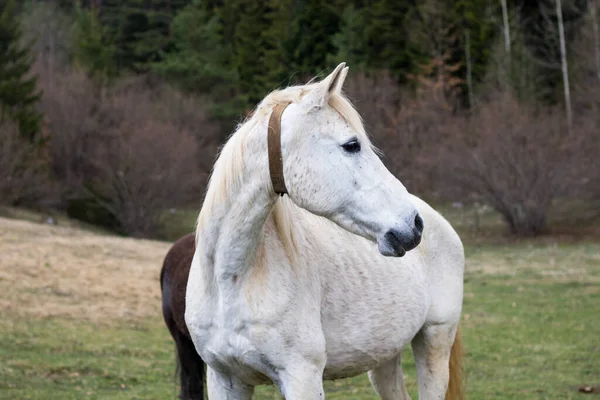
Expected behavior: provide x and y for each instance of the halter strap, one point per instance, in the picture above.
(274, 144)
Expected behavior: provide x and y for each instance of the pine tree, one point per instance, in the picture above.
(197, 62)
(276, 59)
(351, 42)
(18, 90)
(200, 61)
(474, 19)
(313, 26)
(249, 49)
(92, 49)
(138, 30)
(232, 50)
(539, 27)
(148, 24)
(258, 54)
(388, 35)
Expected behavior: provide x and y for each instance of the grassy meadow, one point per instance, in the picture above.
(80, 315)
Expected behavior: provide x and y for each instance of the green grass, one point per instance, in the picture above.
(530, 322)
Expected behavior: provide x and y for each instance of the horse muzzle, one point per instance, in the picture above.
(396, 242)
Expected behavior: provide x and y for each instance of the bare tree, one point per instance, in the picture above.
(596, 35)
(469, 68)
(564, 65)
(69, 103)
(509, 67)
(144, 168)
(506, 27)
(125, 154)
(48, 29)
(514, 157)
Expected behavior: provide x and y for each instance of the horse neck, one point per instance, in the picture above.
(230, 232)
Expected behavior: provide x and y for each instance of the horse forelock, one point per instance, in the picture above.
(227, 172)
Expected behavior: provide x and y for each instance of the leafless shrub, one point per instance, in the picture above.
(518, 159)
(588, 124)
(585, 72)
(25, 177)
(146, 160)
(143, 168)
(70, 104)
(160, 102)
(132, 150)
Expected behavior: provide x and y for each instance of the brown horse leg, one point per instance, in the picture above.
(190, 367)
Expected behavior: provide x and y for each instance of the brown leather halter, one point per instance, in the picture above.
(274, 144)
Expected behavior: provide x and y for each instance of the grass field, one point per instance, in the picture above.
(80, 317)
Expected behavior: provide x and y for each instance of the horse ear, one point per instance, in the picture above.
(319, 96)
(336, 78)
(337, 84)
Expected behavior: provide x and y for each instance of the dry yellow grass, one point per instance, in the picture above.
(62, 271)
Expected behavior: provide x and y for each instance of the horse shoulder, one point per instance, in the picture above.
(443, 254)
(439, 236)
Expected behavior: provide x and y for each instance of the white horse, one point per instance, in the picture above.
(293, 290)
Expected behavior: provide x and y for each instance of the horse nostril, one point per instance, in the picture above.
(419, 223)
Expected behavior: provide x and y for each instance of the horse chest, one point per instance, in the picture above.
(234, 354)
(223, 343)
(232, 339)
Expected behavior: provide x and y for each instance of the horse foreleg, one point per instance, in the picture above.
(388, 381)
(223, 387)
(302, 381)
(431, 348)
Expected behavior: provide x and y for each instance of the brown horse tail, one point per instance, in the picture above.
(455, 385)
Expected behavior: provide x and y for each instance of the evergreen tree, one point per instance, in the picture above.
(200, 61)
(388, 35)
(474, 18)
(232, 50)
(138, 30)
(313, 26)
(249, 48)
(258, 55)
(92, 48)
(351, 42)
(539, 27)
(276, 59)
(18, 91)
(438, 33)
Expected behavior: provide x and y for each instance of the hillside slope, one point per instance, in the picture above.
(50, 270)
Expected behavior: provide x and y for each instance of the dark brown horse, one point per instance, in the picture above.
(173, 283)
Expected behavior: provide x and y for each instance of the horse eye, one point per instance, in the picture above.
(353, 146)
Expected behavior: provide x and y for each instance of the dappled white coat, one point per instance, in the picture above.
(295, 289)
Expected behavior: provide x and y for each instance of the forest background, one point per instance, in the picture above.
(113, 111)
